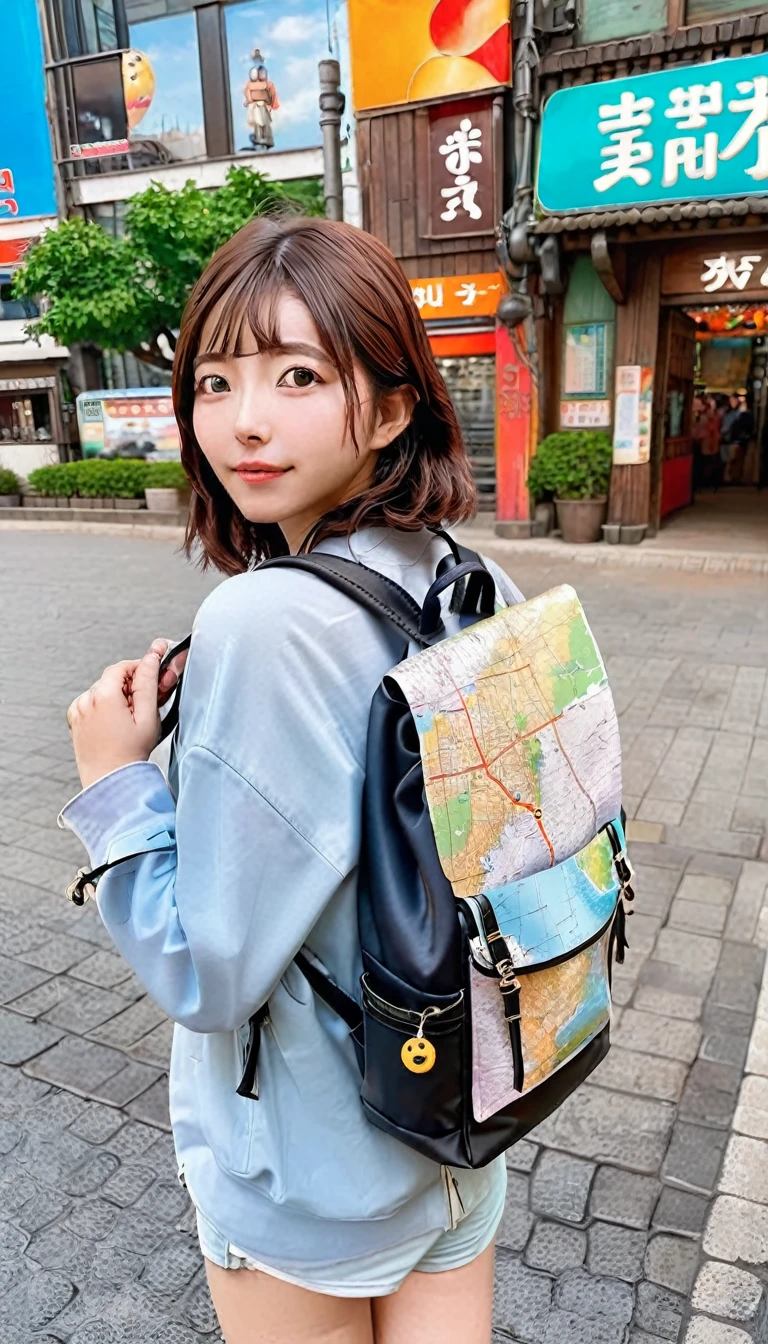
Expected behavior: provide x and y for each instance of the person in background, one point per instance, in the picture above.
(742, 428)
(709, 444)
(727, 441)
(698, 435)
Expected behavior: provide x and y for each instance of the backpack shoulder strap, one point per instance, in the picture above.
(378, 594)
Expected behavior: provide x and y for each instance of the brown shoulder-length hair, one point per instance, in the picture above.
(361, 304)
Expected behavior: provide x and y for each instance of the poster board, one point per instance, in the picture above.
(633, 412)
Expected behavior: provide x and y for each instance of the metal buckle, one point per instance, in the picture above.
(81, 890)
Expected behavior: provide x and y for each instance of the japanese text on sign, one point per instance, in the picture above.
(462, 148)
(741, 272)
(458, 296)
(627, 153)
(674, 134)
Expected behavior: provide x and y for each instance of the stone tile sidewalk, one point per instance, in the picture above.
(638, 1213)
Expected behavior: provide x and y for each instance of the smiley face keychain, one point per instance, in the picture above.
(418, 1054)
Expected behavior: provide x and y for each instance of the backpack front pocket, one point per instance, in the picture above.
(562, 1008)
(414, 1059)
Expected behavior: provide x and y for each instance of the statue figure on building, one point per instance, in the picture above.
(261, 101)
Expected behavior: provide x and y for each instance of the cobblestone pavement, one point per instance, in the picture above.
(638, 1213)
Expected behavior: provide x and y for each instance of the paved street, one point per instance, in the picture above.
(638, 1213)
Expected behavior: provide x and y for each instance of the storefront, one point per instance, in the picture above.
(662, 221)
(459, 314)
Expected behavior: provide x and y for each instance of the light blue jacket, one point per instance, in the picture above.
(248, 856)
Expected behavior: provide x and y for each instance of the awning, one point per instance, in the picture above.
(651, 214)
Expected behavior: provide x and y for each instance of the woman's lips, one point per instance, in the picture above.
(259, 473)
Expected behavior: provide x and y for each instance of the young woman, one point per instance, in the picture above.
(312, 415)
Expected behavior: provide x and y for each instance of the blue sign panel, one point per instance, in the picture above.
(26, 162)
(687, 133)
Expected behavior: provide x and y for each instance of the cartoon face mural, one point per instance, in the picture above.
(427, 49)
(138, 84)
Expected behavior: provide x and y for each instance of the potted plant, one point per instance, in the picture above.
(126, 483)
(165, 484)
(573, 467)
(10, 489)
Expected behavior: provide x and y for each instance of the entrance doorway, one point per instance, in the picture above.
(710, 468)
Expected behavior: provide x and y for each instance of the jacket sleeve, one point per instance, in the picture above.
(265, 824)
(205, 915)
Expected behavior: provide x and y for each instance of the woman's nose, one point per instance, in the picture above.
(252, 426)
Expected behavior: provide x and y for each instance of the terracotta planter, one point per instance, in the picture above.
(10, 501)
(162, 500)
(581, 520)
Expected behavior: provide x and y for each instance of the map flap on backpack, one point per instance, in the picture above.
(519, 744)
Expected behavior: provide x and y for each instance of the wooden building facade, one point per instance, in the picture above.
(657, 261)
(440, 223)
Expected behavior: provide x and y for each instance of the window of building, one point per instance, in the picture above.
(12, 309)
(603, 20)
(99, 24)
(25, 418)
(110, 215)
(92, 26)
(273, 77)
(163, 87)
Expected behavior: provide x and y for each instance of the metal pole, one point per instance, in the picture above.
(331, 108)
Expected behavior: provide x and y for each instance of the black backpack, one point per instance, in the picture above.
(457, 1029)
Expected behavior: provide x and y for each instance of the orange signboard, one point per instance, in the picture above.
(12, 250)
(452, 296)
(405, 50)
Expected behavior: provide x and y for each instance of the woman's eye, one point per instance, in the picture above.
(300, 378)
(214, 382)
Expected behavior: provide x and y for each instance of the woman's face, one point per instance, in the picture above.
(273, 425)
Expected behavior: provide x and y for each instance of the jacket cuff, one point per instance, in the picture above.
(128, 811)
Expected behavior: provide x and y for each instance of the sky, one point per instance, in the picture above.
(292, 36)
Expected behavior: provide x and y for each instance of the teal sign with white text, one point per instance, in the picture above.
(691, 132)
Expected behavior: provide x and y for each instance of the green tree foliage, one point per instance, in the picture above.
(127, 293)
(573, 464)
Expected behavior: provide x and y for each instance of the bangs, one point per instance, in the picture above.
(249, 301)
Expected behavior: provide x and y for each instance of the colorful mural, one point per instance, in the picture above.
(427, 49)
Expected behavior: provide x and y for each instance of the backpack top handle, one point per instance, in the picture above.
(479, 598)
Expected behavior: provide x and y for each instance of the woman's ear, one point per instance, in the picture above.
(393, 415)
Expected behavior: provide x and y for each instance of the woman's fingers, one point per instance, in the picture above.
(170, 674)
(145, 688)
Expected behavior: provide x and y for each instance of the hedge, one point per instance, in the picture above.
(107, 478)
(9, 482)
